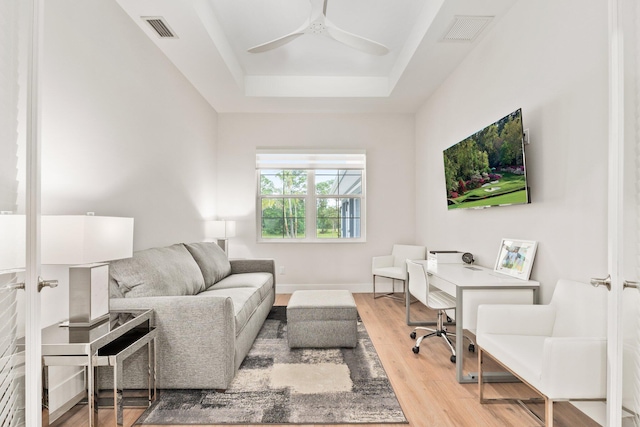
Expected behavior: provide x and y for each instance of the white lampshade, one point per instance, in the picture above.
(84, 239)
(220, 229)
(12, 242)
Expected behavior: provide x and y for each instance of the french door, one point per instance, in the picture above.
(20, 366)
(623, 347)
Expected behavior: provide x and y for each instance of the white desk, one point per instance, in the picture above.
(473, 285)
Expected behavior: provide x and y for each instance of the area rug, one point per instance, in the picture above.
(279, 385)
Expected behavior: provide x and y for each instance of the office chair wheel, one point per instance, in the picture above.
(416, 349)
(413, 335)
(472, 348)
(453, 359)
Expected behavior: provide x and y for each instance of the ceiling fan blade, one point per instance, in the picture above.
(275, 43)
(357, 42)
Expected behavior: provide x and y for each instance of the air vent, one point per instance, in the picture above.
(160, 26)
(466, 28)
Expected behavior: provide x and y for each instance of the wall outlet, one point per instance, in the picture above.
(281, 270)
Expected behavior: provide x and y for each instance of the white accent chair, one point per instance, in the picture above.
(394, 267)
(559, 349)
(435, 299)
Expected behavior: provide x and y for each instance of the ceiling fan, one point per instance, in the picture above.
(317, 23)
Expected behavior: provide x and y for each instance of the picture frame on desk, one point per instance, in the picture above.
(515, 257)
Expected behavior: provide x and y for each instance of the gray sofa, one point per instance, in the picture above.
(207, 309)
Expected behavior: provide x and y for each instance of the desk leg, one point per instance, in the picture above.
(151, 346)
(92, 392)
(45, 397)
(118, 390)
(459, 335)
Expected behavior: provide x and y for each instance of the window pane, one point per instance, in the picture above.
(327, 218)
(326, 181)
(350, 182)
(271, 182)
(338, 218)
(283, 218)
(295, 182)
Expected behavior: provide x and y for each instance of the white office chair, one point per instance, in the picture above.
(394, 266)
(434, 299)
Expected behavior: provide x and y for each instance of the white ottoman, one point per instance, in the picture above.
(322, 319)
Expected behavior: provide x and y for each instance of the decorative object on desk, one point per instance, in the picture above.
(446, 257)
(85, 241)
(467, 258)
(515, 257)
(350, 387)
(221, 231)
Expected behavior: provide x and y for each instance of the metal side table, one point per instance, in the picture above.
(107, 343)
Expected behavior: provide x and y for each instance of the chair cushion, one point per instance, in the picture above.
(212, 261)
(169, 271)
(522, 354)
(391, 272)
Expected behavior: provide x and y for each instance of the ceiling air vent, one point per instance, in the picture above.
(160, 26)
(466, 28)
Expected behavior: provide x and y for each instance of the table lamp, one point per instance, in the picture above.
(86, 242)
(221, 230)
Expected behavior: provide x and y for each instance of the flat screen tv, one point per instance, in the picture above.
(488, 168)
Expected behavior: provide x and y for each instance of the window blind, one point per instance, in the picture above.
(311, 159)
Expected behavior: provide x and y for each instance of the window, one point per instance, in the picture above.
(311, 196)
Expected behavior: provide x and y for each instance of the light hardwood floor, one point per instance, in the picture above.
(424, 383)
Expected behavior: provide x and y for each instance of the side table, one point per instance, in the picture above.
(107, 343)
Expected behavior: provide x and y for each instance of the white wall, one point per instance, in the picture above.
(389, 143)
(123, 132)
(550, 58)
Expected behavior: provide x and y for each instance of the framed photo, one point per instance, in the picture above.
(515, 257)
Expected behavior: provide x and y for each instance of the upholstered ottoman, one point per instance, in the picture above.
(322, 319)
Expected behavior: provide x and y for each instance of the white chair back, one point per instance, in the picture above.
(418, 281)
(402, 253)
(581, 310)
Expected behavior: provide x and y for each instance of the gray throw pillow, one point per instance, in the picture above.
(169, 271)
(212, 261)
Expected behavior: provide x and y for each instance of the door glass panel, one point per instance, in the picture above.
(13, 60)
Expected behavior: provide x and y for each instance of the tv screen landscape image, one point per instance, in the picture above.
(488, 168)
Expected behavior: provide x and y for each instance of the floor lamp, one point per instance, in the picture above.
(85, 242)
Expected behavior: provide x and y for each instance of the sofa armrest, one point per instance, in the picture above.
(195, 341)
(515, 319)
(239, 266)
(574, 367)
(382, 261)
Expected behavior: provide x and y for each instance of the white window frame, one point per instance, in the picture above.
(310, 161)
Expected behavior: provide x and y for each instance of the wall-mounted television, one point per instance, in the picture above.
(488, 168)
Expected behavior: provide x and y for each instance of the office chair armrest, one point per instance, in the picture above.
(382, 261)
(515, 319)
(574, 367)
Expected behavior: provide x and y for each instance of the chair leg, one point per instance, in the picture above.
(480, 381)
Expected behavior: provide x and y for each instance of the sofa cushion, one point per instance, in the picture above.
(153, 272)
(261, 281)
(212, 260)
(245, 302)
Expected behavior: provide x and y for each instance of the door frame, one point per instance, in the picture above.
(33, 349)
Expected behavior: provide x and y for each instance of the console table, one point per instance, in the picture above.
(107, 343)
(473, 285)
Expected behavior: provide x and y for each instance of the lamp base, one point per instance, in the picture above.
(88, 294)
(91, 323)
(224, 245)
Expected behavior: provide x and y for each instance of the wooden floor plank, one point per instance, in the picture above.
(425, 382)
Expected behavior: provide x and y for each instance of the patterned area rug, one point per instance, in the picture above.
(278, 385)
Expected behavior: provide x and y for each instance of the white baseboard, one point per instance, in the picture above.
(357, 288)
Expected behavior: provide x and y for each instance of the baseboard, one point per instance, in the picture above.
(356, 288)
